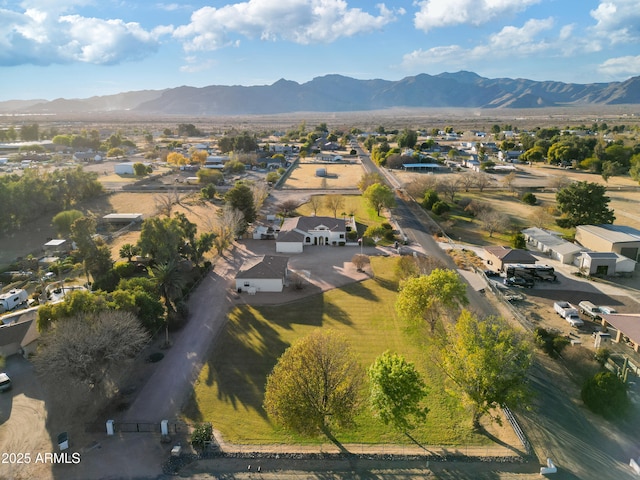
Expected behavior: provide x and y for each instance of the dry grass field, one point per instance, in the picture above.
(623, 192)
(339, 176)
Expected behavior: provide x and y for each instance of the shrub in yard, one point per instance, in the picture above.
(430, 198)
(202, 433)
(549, 342)
(124, 269)
(440, 207)
(602, 355)
(518, 241)
(606, 394)
(529, 198)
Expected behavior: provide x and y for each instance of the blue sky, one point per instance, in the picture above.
(81, 48)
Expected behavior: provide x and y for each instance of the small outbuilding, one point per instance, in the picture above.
(500, 256)
(267, 273)
(605, 263)
(124, 168)
(123, 218)
(552, 244)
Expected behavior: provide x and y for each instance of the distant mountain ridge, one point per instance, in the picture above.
(337, 93)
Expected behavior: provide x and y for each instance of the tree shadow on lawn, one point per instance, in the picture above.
(250, 345)
(359, 289)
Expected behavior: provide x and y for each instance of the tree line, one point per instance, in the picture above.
(35, 193)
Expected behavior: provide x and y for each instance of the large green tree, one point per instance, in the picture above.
(489, 361)
(425, 296)
(584, 203)
(397, 390)
(380, 196)
(315, 384)
(240, 197)
(62, 221)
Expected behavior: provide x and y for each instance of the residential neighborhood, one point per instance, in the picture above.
(202, 273)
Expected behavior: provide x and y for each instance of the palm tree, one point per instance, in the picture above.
(170, 281)
(129, 251)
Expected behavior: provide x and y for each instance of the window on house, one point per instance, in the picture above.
(342, 235)
(247, 284)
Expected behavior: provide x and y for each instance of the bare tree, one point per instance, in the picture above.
(494, 221)
(288, 207)
(360, 261)
(450, 187)
(559, 182)
(260, 191)
(166, 201)
(83, 349)
(477, 208)
(541, 218)
(225, 226)
(334, 202)
(509, 181)
(468, 180)
(419, 186)
(315, 202)
(483, 180)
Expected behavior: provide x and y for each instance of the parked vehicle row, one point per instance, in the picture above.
(569, 313)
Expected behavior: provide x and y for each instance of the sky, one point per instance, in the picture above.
(81, 48)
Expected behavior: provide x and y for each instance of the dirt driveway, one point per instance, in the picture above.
(23, 416)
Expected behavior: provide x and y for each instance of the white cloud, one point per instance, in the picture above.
(618, 21)
(445, 13)
(299, 21)
(509, 42)
(621, 66)
(41, 35)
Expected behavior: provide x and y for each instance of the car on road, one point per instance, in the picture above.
(518, 282)
(5, 382)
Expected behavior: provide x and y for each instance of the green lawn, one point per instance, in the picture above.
(229, 391)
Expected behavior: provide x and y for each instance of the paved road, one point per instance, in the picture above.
(580, 444)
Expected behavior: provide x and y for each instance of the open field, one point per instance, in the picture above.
(339, 176)
(229, 391)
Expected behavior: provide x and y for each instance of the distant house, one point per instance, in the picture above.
(328, 157)
(215, 161)
(87, 157)
(267, 273)
(510, 155)
(610, 238)
(297, 232)
(500, 256)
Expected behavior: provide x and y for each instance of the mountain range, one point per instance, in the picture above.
(337, 93)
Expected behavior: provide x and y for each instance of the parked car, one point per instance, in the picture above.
(518, 282)
(5, 382)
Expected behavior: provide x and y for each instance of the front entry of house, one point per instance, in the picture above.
(321, 241)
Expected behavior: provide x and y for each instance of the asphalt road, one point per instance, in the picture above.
(581, 445)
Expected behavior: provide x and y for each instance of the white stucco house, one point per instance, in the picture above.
(297, 232)
(267, 273)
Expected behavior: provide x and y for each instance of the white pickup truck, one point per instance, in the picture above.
(569, 313)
